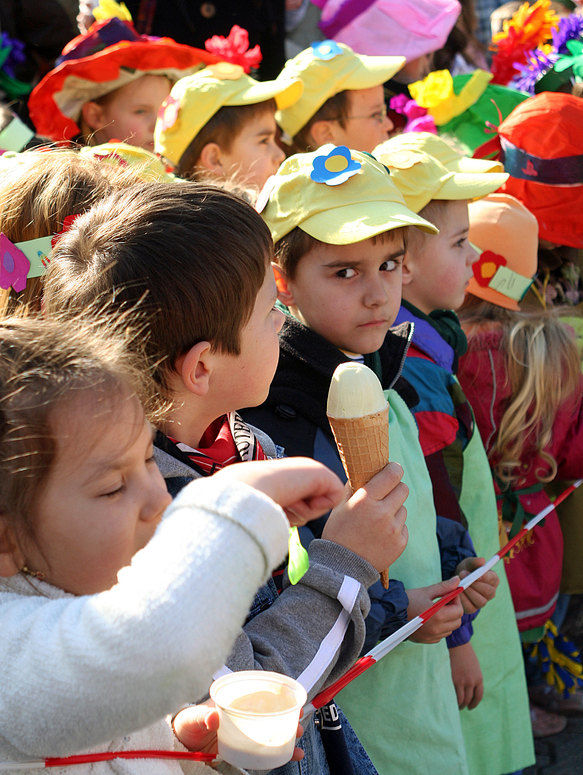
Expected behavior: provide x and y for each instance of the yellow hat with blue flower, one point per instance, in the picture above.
(337, 196)
(327, 68)
(195, 99)
(421, 177)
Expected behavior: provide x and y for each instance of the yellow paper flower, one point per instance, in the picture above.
(436, 94)
(109, 9)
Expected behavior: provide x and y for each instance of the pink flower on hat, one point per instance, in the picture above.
(486, 267)
(335, 167)
(14, 265)
(168, 112)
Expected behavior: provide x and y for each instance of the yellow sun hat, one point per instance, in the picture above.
(335, 195)
(195, 99)
(421, 178)
(444, 152)
(325, 69)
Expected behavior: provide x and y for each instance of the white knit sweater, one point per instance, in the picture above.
(101, 672)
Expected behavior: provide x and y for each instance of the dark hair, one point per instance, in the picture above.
(334, 109)
(187, 260)
(222, 128)
(290, 249)
(44, 364)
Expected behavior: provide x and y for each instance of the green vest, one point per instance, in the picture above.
(498, 732)
(404, 708)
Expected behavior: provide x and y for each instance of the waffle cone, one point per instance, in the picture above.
(363, 445)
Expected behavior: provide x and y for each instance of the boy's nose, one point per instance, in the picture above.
(375, 293)
(278, 156)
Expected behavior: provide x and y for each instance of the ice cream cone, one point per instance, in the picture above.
(363, 445)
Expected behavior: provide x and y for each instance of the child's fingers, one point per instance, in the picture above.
(477, 696)
(385, 482)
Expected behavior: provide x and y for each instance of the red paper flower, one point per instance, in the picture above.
(67, 223)
(235, 48)
(486, 267)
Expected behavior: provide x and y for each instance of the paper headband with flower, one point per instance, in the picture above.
(21, 261)
(491, 271)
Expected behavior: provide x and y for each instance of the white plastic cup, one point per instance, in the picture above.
(259, 713)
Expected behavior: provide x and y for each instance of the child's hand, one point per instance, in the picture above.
(467, 676)
(302, 487)
(371, 522)
(477, 595)
(196, 728)
(445, 621)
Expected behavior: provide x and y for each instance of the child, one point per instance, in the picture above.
(436, 272)
(109, 84)
(527, 405)
(107, 614)
(340, 246)
(343, 100)
(196, 261)
(37, 201)
(220, 122)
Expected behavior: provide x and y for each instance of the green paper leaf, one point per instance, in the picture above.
(298, 562)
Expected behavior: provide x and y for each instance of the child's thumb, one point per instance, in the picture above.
(441, 589)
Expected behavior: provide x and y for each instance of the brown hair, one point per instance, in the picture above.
(35, 200)
(44, 363)
(334, 109)
(290, 249)
(543, 371)
(222, 128)
(188, 260)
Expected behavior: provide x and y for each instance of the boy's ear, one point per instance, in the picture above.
(11, 558)
(92, 115)
(407, 269)
(284, 292)
(194, 368)
(210, 158)
(322, 132)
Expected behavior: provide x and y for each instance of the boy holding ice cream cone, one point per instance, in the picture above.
(437, 183)
(339, 224)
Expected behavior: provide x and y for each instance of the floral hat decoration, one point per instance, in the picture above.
(109, 55)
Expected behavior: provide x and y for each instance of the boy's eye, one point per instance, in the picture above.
(461, 242)
(346, 273)
(390, 265)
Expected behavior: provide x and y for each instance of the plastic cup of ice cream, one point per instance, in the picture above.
(258, 718)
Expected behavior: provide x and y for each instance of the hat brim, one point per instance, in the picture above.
(376, 70)
(92, 76)
(359, 221)
(490, 295)
(285, 93)
(471, 165)
(465, 185)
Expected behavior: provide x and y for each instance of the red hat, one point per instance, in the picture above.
(542, 145)
(110, 55)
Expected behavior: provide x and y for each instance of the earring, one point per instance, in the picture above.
(37, 574)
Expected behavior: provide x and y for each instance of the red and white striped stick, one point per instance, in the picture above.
(370, 659)
(388, 644)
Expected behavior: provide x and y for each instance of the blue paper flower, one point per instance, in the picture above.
(326, 49)
(570, 28)
(537, 64)
(335, 167)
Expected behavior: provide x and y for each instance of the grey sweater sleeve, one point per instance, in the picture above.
(315, 630)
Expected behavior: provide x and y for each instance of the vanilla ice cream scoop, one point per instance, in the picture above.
(355, 391)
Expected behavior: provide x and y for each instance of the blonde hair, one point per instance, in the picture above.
(35, 201)
(543, 372)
